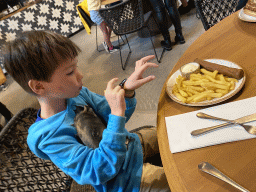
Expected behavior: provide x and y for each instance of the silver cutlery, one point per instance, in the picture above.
(250, 129)
(208, 168)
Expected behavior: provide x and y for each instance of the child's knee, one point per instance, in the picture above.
(153, 179)
(148, 139)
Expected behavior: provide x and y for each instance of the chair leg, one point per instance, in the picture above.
(158, 60)
(128, 43)
(128, 56)
(5, 112)
(122, 40)
(151, 36)
(97, 40)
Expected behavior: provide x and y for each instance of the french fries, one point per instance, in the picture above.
(202, 86)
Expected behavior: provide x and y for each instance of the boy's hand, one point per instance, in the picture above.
(115, 97)
(136, 80)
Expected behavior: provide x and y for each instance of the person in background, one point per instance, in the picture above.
(45, 65)
(93, 8)
(159, 7)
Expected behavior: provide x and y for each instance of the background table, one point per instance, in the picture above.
(234, 40)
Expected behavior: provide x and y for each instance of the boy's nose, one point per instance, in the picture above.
(79, 76)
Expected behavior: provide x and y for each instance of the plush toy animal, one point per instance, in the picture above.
(89, 126)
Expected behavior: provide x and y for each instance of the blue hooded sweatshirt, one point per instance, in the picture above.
(113, 166)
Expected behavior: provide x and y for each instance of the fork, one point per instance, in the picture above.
(249, 128)
(208, 168)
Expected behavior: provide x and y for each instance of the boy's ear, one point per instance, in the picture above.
(36, 86)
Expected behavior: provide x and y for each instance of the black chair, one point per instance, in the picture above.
(6, 113)
(213, 11)
(125, 18)
(20, 169)
(90, 23)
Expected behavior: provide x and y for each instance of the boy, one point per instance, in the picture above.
(45, 64)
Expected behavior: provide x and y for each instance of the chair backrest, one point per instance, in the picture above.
(124, 18)
(213, 11)
(20, 169)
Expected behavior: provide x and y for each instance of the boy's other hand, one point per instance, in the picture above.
(115, 97)
(136, 80)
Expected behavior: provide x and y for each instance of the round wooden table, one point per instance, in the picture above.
(234, 40)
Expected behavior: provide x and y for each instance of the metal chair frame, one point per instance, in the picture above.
(97, 46)
(20, 169)
(126, 18)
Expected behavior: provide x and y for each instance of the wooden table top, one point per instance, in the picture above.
(234, 40)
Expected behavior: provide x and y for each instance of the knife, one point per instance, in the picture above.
(241, 120)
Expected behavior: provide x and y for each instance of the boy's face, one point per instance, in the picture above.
(66, 81)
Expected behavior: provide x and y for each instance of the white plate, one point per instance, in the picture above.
(172, 80)
(246, 17)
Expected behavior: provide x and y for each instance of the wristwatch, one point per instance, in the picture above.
(122, 83)
(127, 91)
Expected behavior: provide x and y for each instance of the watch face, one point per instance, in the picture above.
(122, 83)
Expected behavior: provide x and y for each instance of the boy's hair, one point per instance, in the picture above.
(36, 55)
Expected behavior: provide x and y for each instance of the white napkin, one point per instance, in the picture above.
(180, 126)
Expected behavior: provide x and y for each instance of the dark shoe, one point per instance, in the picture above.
(179, 39)
(166, 45)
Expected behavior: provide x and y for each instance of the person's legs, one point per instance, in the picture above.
(153, 179)
(109, 31)
(106, 35)
(106, 31)
(171, 7)
(159, 9)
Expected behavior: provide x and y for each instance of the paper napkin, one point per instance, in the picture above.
(180, 126)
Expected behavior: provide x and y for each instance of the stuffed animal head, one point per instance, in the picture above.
(89, 127)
